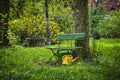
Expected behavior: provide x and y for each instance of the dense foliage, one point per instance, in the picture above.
(32, 27)
(110, 27)
(62, 13)
(27, 19)
(97, 14)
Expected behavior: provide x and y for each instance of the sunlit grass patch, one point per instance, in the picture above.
(27, 63)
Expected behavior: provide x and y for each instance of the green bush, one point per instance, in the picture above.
(110, 27)
(62, 14)
(65, 19)
(32, 26)
(96, 16)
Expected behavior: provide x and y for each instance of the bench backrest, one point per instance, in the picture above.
(71, 36)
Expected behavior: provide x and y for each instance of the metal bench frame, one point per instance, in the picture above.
(61, 37)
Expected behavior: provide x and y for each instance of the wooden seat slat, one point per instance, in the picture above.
(74, 36)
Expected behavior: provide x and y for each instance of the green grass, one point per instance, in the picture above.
(27, 63)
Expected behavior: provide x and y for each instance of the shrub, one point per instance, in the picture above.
(110, 27)
(65, 19)
(96, 15)
(32, 26)
(62, 14)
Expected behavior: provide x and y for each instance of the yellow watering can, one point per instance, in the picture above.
(67, 59)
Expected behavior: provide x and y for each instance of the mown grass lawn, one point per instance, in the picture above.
(27, 63)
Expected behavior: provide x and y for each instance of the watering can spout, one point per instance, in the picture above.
(75, 59)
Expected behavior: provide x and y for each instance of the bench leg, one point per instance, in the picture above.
(54, 54)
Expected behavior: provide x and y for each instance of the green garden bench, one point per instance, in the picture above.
(62, 50)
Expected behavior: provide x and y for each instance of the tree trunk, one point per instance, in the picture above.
(48, 40)
(4, 17)
(81, 24)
